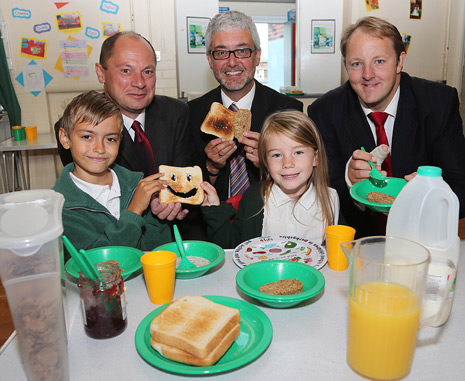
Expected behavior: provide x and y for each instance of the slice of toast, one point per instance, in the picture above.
(179, 355)
(219, 122)
(184, 185)
(194, 324)
(242, 122)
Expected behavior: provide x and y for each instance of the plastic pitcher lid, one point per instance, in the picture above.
(30, 218)
(429, 171)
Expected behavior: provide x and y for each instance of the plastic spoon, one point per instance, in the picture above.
(185, 263)
(376, 177)
(88, 269)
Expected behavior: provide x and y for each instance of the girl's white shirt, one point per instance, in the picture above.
(304, 220)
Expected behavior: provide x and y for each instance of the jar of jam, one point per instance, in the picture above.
(103, 303)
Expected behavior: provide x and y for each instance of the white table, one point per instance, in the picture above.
(14, 150)
(309, 341)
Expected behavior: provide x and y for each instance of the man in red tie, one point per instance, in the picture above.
(418, 120)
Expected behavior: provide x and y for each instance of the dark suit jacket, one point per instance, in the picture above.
(166, 128)
(265, 102)
(427, 131)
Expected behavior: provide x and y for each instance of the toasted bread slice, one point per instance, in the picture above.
(179, 355)
(242, 122)
(219, 122)
(288, 286)
(184, 185)
(194, 324)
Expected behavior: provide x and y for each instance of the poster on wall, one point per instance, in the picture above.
(323, 36)
(406, 39)
(196, 29)
(69, 22)
(74, 58)
(371, 5)
(416, 8)
(33, 48)
(110, 28)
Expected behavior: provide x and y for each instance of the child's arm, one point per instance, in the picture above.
(146, 189)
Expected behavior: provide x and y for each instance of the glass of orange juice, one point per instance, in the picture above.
(386, 289)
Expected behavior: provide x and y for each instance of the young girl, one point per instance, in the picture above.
(293, 198)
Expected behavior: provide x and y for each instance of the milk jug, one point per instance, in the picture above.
(427, 211)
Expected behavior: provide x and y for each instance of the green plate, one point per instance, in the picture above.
(127, 257)
(255, 337)
(360, 190)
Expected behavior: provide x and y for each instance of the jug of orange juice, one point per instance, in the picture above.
(387, 279)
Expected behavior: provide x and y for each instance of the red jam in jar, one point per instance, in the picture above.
(103, 302)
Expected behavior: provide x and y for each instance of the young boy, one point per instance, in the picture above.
(105, 204)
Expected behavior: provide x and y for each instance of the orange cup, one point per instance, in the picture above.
(31, 132)
(335, 235)
(159, 272)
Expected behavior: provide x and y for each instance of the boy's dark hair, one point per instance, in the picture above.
(91, 107)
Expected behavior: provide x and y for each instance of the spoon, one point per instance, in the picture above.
(88, 268)
(376, 177)
(185, 263)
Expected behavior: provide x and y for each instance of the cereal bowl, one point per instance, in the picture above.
(127, 257)
(213, 253)
(250, 278)
(360, 190)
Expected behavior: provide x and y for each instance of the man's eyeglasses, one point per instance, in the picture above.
(238, 53)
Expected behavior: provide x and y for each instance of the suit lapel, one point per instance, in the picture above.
(127, 152)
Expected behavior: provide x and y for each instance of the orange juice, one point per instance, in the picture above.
(383, 324)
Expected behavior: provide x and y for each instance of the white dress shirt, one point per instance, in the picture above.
(108, 196)
(282, 216)
(128, 124)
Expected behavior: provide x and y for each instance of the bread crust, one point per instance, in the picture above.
(179, 355)
(184, 185)
(194, 324)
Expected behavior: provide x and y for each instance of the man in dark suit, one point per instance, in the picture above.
(423, 125)
(127, 69)
(233, 52)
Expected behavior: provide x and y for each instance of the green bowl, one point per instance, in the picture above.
(252, 276)
(208, 250)
(360, 190)
(127, 257)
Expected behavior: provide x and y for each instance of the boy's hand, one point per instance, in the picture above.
(146, 189)
(168, 211)
(211, 197)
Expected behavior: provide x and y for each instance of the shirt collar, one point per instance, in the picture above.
(391, 108)
(128, 122)
(279, 198)
(95, 190)
(244, 103)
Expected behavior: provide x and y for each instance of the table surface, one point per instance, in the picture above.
(309, 340)
(43, 141)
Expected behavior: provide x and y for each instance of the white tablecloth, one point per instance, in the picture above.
(309, 340)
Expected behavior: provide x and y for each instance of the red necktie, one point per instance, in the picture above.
(239, 179)
(378, 118)
(144, 149)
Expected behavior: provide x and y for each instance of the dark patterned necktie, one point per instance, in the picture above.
(239, 179)
(144, 149)
(379, 118)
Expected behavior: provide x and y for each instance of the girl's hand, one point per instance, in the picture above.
(168, 211)
(146, 189)
(211, 197)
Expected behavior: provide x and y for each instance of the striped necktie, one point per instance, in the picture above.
(144, 149)
(379, 118)
(239, 179)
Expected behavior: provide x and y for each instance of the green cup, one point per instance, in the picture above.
(19, 133)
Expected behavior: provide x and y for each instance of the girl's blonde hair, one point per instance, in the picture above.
(299, 127)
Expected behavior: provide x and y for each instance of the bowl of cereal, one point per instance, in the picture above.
(379, 199)
(204, 255)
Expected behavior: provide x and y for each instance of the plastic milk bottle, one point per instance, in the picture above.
(427, 211)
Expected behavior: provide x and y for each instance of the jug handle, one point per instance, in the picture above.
(451, 277)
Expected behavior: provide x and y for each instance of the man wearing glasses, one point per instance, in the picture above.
(233, 52)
